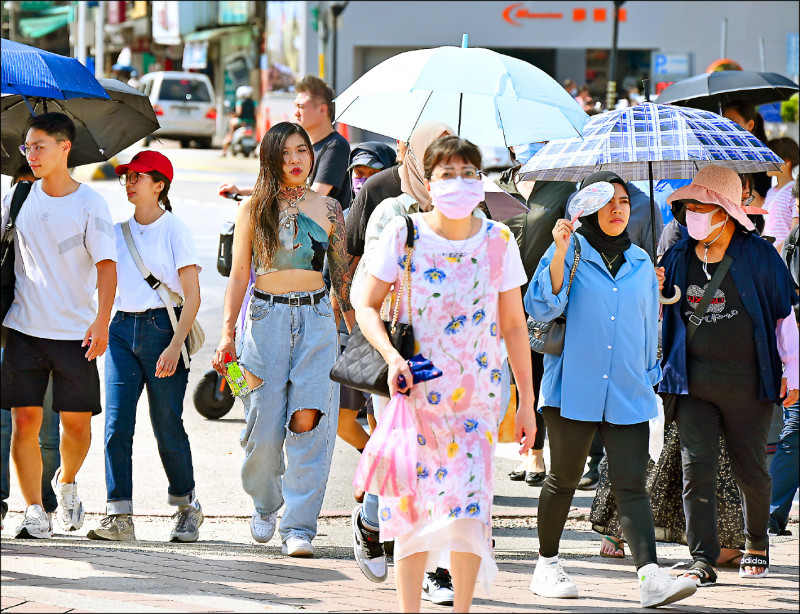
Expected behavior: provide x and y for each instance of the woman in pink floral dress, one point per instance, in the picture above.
(465, 279)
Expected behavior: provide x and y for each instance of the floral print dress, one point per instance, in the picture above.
(454, 303)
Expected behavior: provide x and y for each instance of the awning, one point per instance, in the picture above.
(47, 22)
(214, 34)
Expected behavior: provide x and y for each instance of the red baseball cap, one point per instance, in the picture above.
(147, 160)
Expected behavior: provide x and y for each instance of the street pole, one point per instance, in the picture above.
(12, 20)
(611, 89)
(80, 52)
(337, 8)
(99, 40)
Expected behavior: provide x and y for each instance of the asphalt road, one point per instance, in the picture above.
(215, 443)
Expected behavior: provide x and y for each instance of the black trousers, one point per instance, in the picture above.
(728, 406)
(627, 451)
(537, 364)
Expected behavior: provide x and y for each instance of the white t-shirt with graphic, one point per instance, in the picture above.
(165, 246)
(57, 243)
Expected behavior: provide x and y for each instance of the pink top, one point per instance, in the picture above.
(788, 347)
(781, 207)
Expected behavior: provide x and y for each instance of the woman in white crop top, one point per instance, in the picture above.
(145, 351)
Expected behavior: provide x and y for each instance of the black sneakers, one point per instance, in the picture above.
(368, 549)
(437, 587)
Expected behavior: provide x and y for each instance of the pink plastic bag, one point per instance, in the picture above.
(388, 463)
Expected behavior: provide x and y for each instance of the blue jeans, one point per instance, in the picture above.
(135, 342)
(49, 440)
(785, 469)
(291, 348)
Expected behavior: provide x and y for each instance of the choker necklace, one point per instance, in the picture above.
(292, 195)
(609, 262)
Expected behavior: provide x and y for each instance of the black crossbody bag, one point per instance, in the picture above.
(361, 366)
(7, 277)
(670, 399)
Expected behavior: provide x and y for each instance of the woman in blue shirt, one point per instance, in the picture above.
(603, 381)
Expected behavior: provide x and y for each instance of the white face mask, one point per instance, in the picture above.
(456, 198)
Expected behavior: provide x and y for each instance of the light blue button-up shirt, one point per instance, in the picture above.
(609, 365)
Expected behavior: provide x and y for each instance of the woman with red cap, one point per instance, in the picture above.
(742, 359)
(146, 350)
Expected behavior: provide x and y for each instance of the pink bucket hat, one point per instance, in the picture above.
(716, 185)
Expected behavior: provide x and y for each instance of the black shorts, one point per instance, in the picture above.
(27, 365)
(353, 399)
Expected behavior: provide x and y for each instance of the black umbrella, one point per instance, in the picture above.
(711, 91)
(104, 126)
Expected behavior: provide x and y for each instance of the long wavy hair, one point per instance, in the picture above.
(264, 201)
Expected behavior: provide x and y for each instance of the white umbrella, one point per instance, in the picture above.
(490, 98)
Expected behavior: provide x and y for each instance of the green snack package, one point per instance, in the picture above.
(236, 379)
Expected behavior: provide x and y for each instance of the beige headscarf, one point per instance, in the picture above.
(411, 170)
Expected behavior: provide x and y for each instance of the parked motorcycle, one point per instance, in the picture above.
(212, 395)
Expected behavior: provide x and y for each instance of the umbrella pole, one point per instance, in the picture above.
(460, 103)
(652, 210)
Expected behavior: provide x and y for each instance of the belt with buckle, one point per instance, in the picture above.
(294, 300)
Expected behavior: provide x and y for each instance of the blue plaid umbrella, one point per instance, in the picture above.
(675, 142)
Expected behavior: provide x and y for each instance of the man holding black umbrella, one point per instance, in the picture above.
(64, 241)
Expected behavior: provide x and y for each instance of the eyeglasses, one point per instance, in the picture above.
(470, 175)
(133, 177)
(26, 149)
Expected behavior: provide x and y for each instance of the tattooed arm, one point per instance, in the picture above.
(338, 261)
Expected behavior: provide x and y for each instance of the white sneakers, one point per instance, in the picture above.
(70, 509)
(297, 546)
(37, 524)
(550, 580)
(262, 526)
(657, 587)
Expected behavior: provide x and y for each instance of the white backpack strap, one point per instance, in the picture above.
(167, 296)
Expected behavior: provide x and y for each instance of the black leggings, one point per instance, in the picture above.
(537, 364)
(627, 451)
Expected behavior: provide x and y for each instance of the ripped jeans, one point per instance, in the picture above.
(291, 349)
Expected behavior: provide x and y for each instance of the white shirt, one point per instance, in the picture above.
(165, 246)
(383, 263)
(57, 243)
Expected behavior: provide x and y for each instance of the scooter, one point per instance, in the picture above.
(243, 141)
(212, 395)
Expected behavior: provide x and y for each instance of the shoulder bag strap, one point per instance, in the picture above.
(165, 293)
(20, 195)
(575, 263)
(697, 317)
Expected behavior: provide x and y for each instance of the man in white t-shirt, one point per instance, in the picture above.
(64, 250)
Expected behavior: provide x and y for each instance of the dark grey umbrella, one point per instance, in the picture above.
(104, 126)
(711, 91)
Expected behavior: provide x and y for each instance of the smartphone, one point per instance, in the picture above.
(236, 380)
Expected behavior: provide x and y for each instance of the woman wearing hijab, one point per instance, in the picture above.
(603, 381)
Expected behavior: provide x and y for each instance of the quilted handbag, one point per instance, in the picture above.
(548, 337)
(361, 366)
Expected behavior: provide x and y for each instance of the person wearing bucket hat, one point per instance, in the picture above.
(602, 380)
(742, 360)
(144, 350)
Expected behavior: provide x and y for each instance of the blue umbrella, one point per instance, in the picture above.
(29, 71)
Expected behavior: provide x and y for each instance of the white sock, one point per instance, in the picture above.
(646, 570)
(548, 560)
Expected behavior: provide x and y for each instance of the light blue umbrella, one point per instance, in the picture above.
(489, 98)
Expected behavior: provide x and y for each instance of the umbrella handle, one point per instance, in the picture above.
(669, 301)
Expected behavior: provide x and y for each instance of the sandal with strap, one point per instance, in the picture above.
(703, 572)
(754, 560)
(618, 545)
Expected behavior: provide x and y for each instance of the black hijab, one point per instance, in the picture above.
(610, 248)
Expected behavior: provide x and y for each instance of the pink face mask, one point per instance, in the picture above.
(699, 224)
(456, 198)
